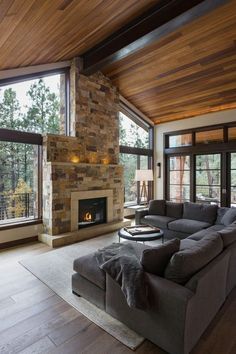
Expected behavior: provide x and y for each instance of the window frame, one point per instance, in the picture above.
(224, 148)
(63, 71)
(124, 149)
(15, 136)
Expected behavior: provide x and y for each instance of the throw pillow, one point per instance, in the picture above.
(229, 217)
(174, 210)
(157, 207)
(184, 264)
(220, 213)
(200, 212)
(154, 260)
(228, 234)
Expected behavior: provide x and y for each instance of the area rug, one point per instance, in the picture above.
(54, 268)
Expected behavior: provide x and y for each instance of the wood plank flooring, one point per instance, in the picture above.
(33, 319)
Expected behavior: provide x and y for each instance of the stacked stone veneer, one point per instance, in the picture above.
(87, 160)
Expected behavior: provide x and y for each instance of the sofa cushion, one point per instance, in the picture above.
(87, 266)
(154, 260)
(220, 213)
(186, 243)
(228, 234)
(157, 220)
(184, 264)
(187, 226)
(200, 234)
(174, 210)
(200, 212)
(216, 227)
(229, 217)
(157, 207)
(197, 236)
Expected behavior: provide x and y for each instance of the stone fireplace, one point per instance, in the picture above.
(84, 165)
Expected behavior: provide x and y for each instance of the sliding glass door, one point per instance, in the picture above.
(179, 178)
(208, 179)
(233, 179)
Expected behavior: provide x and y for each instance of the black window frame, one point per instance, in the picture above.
(139, 151)
(38, 75)
(15, 136)
(224, 148)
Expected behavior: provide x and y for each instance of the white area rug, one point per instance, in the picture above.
(55, 269)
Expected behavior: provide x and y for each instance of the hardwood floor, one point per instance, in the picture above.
(33, 319)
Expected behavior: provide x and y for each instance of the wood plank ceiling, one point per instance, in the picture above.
(42, 31)
(188, 73)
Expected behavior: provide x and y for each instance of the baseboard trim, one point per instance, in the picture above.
(14, 243)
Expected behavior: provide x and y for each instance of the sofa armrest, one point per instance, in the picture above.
(164, 292)
(139, 214)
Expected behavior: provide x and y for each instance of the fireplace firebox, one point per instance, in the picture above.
(92, 212)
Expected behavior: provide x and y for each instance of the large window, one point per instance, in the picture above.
(208, 178)
(201, 165)
(20, 174)
(36, 105)
(28, 108)
(135, 153)
(233, 179)
(179, 178)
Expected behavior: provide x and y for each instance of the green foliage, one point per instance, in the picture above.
(18, 161)
(43, 113)
(17, 199)
(131, 135)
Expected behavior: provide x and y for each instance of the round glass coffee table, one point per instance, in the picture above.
(142, 237)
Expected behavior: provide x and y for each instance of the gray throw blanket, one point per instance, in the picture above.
(121, 262)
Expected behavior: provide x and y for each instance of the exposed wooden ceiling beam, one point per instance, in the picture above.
(165, 17)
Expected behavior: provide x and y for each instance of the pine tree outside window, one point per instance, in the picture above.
(31, 108)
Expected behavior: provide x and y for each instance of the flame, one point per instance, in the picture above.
(88, 217)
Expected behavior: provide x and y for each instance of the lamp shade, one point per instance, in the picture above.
(143, 175)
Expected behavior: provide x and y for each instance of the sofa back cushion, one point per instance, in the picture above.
(220, 213)
(228, 234)
(200, 212)
(157, 207)
(229, 216)
(184, 264)
(155, 259)
(174, 210)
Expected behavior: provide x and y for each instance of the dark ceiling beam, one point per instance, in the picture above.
(165, 17)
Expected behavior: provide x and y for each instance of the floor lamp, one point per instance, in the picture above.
(143, 176)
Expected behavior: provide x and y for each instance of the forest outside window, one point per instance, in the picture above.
(179, 178)
(28, 108)
(36, 105)
(135, 153)
(211, 171)
(20, 199)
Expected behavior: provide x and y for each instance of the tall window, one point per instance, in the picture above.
(233, 179)
(179, 178)
(208, 178)
(135, 153)
(200, 165)
(19, 179)
(29, 108)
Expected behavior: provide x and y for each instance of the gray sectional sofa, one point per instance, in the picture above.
(186, 296)
(184, 219)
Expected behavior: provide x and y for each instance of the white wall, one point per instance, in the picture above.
(20, 233)
(200, 121)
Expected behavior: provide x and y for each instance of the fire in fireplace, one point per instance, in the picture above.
(92, 212)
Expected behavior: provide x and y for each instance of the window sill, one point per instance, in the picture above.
(20, 224)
